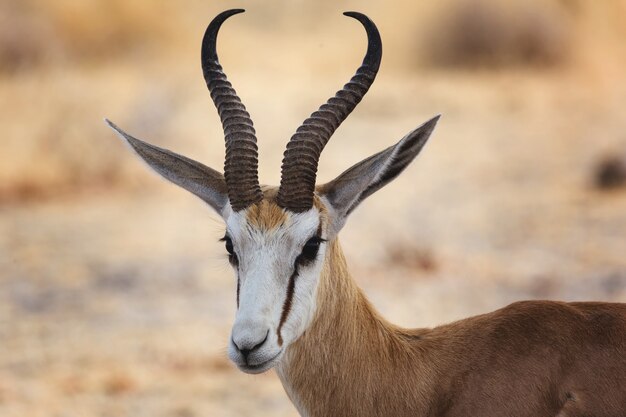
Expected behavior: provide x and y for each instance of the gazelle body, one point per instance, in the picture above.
(298, 309)
(532, 358)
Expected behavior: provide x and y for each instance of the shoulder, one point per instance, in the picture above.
(538, 322)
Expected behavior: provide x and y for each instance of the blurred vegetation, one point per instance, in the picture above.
(115, 299)
(65, 64)
(489, 34)
(38, 33)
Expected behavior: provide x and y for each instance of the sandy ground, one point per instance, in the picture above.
(119, 302)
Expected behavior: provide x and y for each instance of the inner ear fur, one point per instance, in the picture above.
(199, 179)
(354, 185)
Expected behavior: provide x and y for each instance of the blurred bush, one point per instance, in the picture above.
(63, 66)
(38, 32)
(610, 172)
(25, 40)
(493, 34)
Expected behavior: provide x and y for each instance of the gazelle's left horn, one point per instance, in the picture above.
(299, 168)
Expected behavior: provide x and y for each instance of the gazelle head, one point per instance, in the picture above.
(276, 236)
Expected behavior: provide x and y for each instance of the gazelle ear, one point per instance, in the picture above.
(193, 176)
(349, 189)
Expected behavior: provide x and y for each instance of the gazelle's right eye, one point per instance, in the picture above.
(229, 245)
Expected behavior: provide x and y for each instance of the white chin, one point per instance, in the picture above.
(261, 367)
(257, 369)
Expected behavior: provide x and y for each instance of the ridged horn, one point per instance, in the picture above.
(241, 163)
(299, 167)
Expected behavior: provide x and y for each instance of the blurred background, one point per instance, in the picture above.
(116, 298)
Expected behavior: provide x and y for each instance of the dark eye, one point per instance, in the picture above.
(229, 245)
(232, 256)
(309, 251)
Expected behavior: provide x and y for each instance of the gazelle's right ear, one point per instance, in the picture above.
(193, 176)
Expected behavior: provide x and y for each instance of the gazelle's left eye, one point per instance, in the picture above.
(309, 251)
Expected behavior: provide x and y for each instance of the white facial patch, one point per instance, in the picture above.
(276, 294)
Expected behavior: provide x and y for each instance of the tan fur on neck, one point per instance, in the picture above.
(532, 358)
(348, 334)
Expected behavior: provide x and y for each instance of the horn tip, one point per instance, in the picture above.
(236, 11)
(357, 15)
(374, 45)
(220, 18)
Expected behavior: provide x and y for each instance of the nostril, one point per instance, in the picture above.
(245, 348)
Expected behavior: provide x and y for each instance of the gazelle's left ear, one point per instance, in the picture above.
(346, 192)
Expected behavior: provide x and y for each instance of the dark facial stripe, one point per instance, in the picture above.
(290, 290)
(287, 305)
(238, 286)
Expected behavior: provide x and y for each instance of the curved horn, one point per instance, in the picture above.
(241, 164)
(299, 168)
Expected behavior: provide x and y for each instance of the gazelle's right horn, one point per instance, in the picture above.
(241, 164)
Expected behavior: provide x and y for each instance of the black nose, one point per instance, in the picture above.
(247, 347)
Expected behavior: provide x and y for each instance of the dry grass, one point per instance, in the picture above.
(58, 78)
(610, 172)
(483, 33)
(37, 33)
(66, 65)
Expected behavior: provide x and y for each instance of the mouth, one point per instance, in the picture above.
(260, 367)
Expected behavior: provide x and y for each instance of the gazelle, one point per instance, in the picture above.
(299, 311)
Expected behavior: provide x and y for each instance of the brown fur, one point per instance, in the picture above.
(532, 358)
(266, 215)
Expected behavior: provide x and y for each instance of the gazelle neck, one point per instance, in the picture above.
(349, 361)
